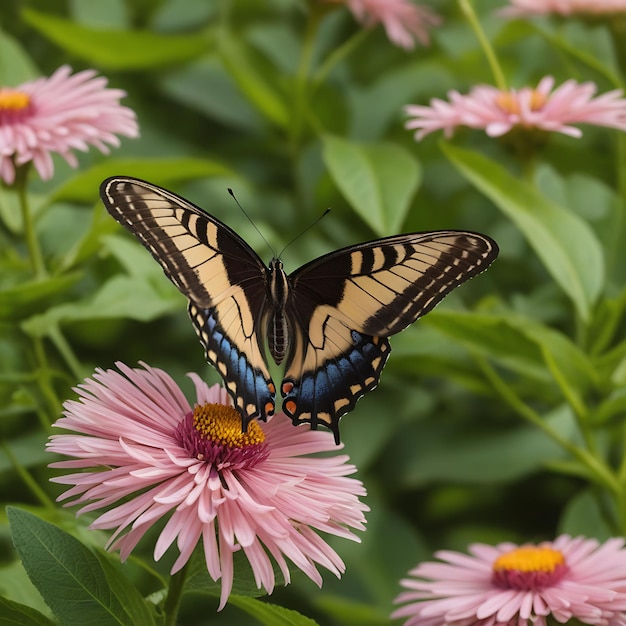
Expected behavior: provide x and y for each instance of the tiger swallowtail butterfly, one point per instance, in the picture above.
(329, 320)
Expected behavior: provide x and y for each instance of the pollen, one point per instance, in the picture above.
(529, 567)
(509, 102)
(221, 424)
(13, 100)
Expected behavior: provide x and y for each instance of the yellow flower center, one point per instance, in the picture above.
(509, 103)
(530, 559)
(221, 424)
(12, 100)
(529, 567)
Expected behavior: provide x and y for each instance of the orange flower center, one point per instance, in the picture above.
(509, 103)
(12, 100)
(221, 424)
(529, 567)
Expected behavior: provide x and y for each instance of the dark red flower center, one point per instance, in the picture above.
(212, 433)
(529, 567)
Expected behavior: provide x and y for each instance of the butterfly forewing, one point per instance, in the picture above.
(383, 286)
(347, 302)
(221, 275)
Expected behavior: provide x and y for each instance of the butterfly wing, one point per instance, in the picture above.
(344, 306)
(221, 275)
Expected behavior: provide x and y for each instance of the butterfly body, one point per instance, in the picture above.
(328, 322)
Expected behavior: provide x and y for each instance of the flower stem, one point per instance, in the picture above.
(174, 596)
(30, 482)
(472, 18)
(302, 76)
(34, 250)
(61, 344)
(596, 469)
(338, 54)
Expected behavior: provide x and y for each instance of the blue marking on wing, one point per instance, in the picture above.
(250, 383)
(323, 395)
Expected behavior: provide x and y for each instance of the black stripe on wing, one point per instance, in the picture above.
(202, 256)
(382, 286)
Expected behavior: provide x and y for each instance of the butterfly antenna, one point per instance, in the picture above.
(230, 191)
(324, 214)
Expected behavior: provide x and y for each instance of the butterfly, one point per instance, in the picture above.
(329, 321)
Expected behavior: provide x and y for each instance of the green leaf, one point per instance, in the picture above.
(565, 243)
(16, 66)
(246, 71)
(270, 614)
(120, 297)
(25, 299)
(583, 515)
(84, 187)
(15, 586)
(78, 587)
(199, 580)
(517, 343)
(118, 49)
(350, 613)
(15, 614)
(377, 179)
(443, 454)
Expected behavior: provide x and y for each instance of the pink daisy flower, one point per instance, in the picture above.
(144, 453)
(522, 8)
(513, 585)
(404, 21)
(543, 108)
(59, 114)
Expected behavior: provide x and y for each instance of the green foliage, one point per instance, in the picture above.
(500, 416)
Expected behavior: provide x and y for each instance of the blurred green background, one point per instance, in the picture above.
(225, 98)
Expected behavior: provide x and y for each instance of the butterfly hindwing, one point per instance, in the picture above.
(235, 356)
(348, 302)
(221, 275)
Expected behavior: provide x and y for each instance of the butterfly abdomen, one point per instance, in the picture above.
(278, 325)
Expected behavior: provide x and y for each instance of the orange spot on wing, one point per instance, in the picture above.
(287, 388)
(290, 407)
(271, 388)
(269, 408)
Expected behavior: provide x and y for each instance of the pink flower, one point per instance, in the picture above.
(149, 454)
(403, 21)
(498, 112)
(59, 114)
(510, 585)
(562, 7)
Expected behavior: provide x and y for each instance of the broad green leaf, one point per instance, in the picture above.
(517, 343)
(15, 586)
(207, 87)
(584, 515)
(122, 297)
(563, 241)
(29, 448)
(198, 579)
(32, 296)
(84, 186)
(75, 584)
(377, 179)
(16, 66)
(270, 614)
(118, 49)
(444, 454)
(255, 84)
(350, 613)
(15, 614)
